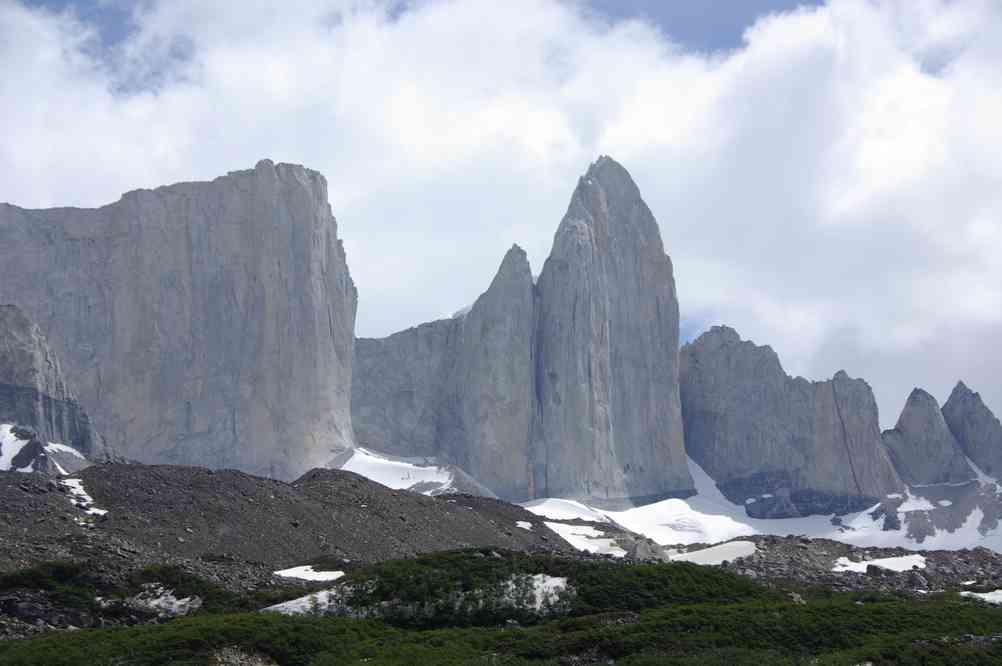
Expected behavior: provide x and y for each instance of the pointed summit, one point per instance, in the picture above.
(923, 449)
(977, 430)
(610, 420)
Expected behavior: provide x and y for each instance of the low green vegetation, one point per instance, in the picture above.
(632, 614)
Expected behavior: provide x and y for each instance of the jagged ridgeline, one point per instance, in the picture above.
(212, 324)
(567, 387)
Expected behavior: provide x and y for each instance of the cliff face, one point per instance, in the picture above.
(568, 388)
(610, 422)
(976, 429)
(922, 447)
(457, 389)
(202, 323)
(33, 392)
(791, 446)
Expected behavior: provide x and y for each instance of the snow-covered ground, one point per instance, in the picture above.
(80, 497)
(10, 446)
(524, 524)
(994, 597)
(901, 563)
(398, 473)
(709, 517)
(587, 538)
(307, 572)
(716, 555)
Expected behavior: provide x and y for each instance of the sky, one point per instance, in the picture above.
(827, 176)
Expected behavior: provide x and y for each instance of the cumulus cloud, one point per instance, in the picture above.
(832, 187)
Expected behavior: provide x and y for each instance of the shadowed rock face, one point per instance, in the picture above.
(922, 447)
(566, 389)
(610, 421)
(206, 323)
(33, 392)
(813, 447)
(459, 389)
(977, 430)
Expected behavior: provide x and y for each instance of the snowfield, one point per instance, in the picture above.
(80, 497)
(994, 597)
(709, 517)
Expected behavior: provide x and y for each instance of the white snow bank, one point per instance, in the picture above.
(80, 497)
(10, 446)
(524, 524)
(307, 572)
(562, 509)
(913, 503)
(994, 597)
(53, 447)
(587, 538)
(397, 474)
(709, 517)
(716, 555)
(902, 563)
(318, 602)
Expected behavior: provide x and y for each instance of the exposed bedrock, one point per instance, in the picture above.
(923, 449)
(976, 429)
(206, 323)
(564, 388)
(34, 395)
(784, 445)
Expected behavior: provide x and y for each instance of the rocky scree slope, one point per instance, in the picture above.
(782, 445)
(207, 323)
(563, 388)
(196, 514)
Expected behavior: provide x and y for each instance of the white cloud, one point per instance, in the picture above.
(832, 188)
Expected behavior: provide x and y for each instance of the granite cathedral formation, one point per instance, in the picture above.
(567, 387)
(212, 324)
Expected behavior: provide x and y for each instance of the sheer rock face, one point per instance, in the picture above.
(976, 429)
(610, 423)
(923, 449)
(809, 447)
(33, 392)
(566, 389)
(207, 323)
(488, 421)
(398, 387)
(457, 389)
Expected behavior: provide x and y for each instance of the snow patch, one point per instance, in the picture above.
(901, 563)
(399, 474)
(307, 572)
(716, 555)
(524, 524)
(10, 446)
(994, 597)
(587, 538)
(913, 503)
(561, 509)
(80, 497)
(545, 590)
(53, 447)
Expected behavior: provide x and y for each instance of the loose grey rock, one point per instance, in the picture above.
(977, 430)
(922, 447)
(791, 446)
(208, 323)
(34, 393)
